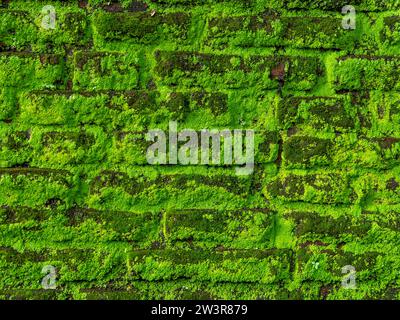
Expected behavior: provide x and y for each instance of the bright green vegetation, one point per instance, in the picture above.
(76, 191)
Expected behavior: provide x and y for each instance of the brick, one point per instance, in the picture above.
(317, 32)
(307, 150)
(384, 188)
(31, 71)
(17, 30)
(244, 31)
(131, 147)
(105, 71)
(390, 30)
(104, 294)
(140, 229)
(232, 184)
(141, 27)
(8, 103)
(311, 224)
(366, 73)
(270, 29)
(386, 216)
(22, 214)
(175, 190)
(337, 5)
(313, 188)
(266, 146)
(205, 265)
(14, 147)
(102, 108)
(230, 229)
(200, 69)
(20, 32)
(317, 112)
(384, 112)
(53, 148)
(33, 187)
(336, 260)
(69, 147)
(379, 153)
(189, 290)
(30, 294)
(197, 2)
(182, 103)
(303, 150)
(71, 265)
(326, 266)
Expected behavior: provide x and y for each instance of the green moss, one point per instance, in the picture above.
(306, 150)
(76, 190)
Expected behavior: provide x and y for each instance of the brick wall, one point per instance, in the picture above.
(76, 191)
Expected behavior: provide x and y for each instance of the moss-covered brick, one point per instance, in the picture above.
(71, 30)
(17, 31)
(129, 147)
(336, 114)
(86, 227)
(264, 266)
(229, 229)
(23, 270)
(384, 188)
(138, 184)
(244, 31)
(142, 230)
(186, 289)
(31, 71)
(326, 266)
(111, 294)
(317, 32)
(333, 261)
(377, 153)
(167, 189)
(58, 148)
(270, 28)
(266, 146)
(105, 71)
(110, 110)
(21, 30)
(384, 114)
(30, 294)
(327, 188)
(310, 224)
(34, 187)
(182, 103)
(8, 102)
(10, 215)
(367, 73)
(199, 69)
(191, 3)
(141, 27)
(303, 150)
(337, 5)
(14, 147)
(390, 32)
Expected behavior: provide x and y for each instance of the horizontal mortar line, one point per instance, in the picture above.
(33, 170)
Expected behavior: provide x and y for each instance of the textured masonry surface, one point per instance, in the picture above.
(77, 193)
